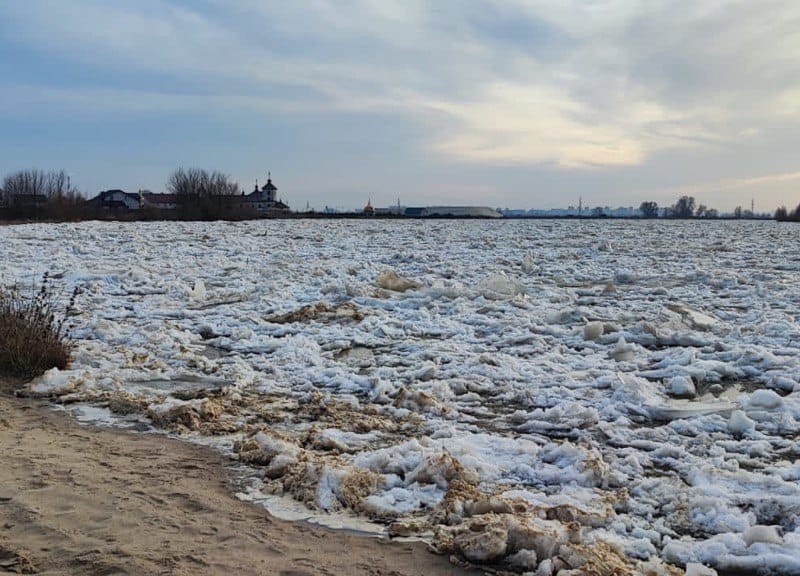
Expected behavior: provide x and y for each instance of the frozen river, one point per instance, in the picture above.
(537, 395)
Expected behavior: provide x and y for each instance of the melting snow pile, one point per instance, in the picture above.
(538, 397)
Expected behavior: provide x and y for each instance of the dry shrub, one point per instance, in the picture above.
(33, 338)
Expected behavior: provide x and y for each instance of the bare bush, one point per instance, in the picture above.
(33, 337)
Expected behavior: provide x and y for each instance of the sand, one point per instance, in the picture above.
(77, 499)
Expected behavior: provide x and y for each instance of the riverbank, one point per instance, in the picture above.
(77, 499)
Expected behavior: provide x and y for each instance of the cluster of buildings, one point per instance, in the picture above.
(433, 211)
(261, 201)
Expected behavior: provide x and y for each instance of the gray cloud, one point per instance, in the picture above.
(544, 83)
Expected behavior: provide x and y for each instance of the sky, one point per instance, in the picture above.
(504, 103)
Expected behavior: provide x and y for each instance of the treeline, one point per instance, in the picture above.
(687, 207)
(784, 215)
(49, 195)
(36, 194)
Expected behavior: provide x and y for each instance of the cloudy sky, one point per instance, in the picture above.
(517, 103)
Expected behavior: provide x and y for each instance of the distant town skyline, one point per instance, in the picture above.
(503, 103)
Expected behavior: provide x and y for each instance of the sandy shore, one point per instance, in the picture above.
(78, 499)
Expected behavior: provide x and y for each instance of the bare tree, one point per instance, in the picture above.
(24, 183)
(649, 209)
(34, 182)
(186, 183)
(684, 207)
(36, 193)
(202, 194)
(199, 183)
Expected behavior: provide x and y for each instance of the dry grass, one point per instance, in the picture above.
(33, 337)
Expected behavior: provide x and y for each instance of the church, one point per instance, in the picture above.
(264, 199)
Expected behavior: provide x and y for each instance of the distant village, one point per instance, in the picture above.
(196, 194)
(261, 202)
(193, 194)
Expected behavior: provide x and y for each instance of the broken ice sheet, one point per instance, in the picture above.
(499, 367)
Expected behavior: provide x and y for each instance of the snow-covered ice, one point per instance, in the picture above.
(541, 395)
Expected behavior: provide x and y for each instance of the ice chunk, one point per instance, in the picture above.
(545, 568)
(623, 352)
(739, 424)
(695, 319)
(592, 330)
(325, 497)
(685, 409)
(198, 292)
(439, 469)
(54, 382)
(765, 534)
(391, 280)
(484, 545)
(498, 286)
(262, 449)
(528, 263)
(695, 569)
(682, 386)
(425, 372)
(525, 559)
(563, 417)
(714, 514)
(341, 440)
(766, 399)
(624, 276)
(173, 412)
(782, 383)
(492, 536)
